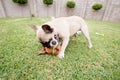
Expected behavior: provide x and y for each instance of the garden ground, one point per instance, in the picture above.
(19, 59)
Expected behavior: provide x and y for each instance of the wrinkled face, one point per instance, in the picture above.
(46, 36)
(52, 42)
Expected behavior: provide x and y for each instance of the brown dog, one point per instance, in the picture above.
(50, 50)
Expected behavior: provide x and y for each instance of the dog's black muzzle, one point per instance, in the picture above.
(46, 44)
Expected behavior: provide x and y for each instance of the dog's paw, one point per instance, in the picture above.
(61, 55)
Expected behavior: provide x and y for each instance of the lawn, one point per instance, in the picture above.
(19, 59)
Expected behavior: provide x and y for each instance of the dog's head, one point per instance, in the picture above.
(46, 35)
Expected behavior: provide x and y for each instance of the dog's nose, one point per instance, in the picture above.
(54, 42)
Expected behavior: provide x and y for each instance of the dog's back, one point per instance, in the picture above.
(67, 24)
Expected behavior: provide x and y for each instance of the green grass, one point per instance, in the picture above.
(19, 59)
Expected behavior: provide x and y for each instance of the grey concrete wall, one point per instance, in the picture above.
(109, 12)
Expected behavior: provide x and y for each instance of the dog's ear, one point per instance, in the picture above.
(47, 28)
(34, 27)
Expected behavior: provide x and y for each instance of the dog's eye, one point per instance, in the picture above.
(55, 36)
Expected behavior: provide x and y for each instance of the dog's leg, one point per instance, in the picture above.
(85, 32)
(63, 47)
